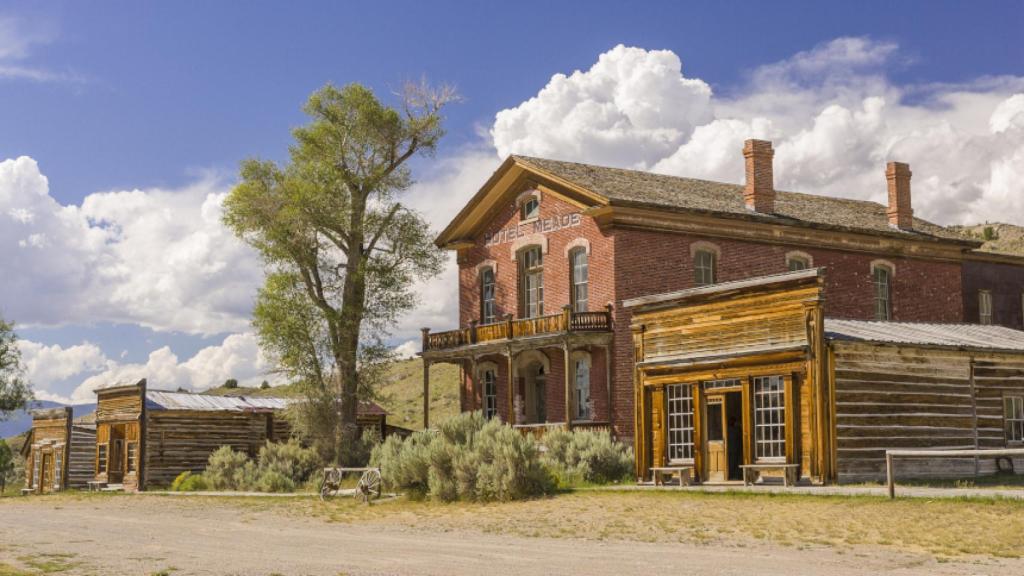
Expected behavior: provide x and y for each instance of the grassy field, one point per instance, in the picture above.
(1005, 238)
(401, 393)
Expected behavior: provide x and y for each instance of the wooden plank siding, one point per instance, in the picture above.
(50, 439)
(81, 457)
(913, 397)
(767, 329)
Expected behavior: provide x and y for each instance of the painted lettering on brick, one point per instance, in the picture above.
(539, 226)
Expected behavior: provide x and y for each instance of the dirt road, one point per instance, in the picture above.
(149, 534)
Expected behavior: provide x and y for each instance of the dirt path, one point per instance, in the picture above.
(146, 534)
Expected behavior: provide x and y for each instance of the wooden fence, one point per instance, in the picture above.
(509, 327)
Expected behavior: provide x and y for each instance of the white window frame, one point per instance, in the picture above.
(985, 307)
(1013, 419)
(529, 209)
(805, 260)
(769, 396)
(579, 272)
(882, 301)
(532, 283)
(488, 305)
(679, 423)
(705, 267)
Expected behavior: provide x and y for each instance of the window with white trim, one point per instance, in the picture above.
(984, 307)
(582, 387)
(37, 466)
(58, 467)
(679, 401)
(881, 279)
(1013, 418)
(704, 267)
(532, 283)
(530, 208)
(133, 453)
(490, 380)
(101, 458)
(488, 311)
(769, 418)
(580, 279)
(796, 262)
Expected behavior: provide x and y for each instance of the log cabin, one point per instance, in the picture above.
(145, 438)
(548, 251)
(752, 376)
(58, 451)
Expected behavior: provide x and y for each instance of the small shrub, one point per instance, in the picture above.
(230, 470)
(189, 482)
(587, 456)
(264, 385)
(231, 383)
(289, 460)
(274, 481)
(469, 458)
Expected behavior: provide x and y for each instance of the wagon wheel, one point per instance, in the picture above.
(369, 485)
(330, 484)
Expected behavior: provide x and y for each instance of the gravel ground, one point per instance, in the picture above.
(149, 534)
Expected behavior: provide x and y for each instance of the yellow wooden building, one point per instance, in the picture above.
(749, 379)
(58, 451)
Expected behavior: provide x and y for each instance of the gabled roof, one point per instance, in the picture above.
(634, 187)
(967, 336)
(600, 186)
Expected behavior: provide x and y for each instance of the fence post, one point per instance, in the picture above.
(890, 475)
(567, 317)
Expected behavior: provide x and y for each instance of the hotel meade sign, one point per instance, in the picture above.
(538, 226)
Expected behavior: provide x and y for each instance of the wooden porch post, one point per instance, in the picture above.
(475, 390)
(511, 384)
(566, 353)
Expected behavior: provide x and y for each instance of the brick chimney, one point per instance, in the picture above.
(759, 194)
(900, 212)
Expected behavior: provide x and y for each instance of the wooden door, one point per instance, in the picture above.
(657, 402)
(46, 473)
(717, 456)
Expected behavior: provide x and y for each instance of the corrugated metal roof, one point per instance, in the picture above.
(162, 400)
(953, 335)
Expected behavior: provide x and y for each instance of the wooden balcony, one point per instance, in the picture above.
(519, 328)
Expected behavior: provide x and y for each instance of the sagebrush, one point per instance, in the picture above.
(587, 456)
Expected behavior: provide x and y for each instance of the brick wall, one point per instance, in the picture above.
(627, 263)
(1005, 281)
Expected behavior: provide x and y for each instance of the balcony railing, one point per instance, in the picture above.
(509, 327)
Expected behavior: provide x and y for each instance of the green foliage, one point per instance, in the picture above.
(279, 467)
(15, 391)
(189, 482)
(231, 383)
(469, 458)
(989, 233)
(265, 385)
(230, 470)
(7, 468)
(342, 253)
(587, 456)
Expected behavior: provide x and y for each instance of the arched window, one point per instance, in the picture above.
(529, 208)
(531, 282)
(798, 261)
(705, 264)
(581, 386)
(488, 312)
(881, 279)
(579, 279)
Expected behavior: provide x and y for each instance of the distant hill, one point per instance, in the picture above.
(998, 237)
(401, 394)
(21, 420)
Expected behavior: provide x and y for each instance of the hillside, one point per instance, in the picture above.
(998, 237)
(401, 394)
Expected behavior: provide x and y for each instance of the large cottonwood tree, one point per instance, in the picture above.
(14, 389)
(342, 252)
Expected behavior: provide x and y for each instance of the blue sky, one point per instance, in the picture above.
(165, 99)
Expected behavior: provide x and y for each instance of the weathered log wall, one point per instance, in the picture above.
(179, 441)
(81, 457)
(893, 397)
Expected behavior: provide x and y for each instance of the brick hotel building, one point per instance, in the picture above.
(549, 251)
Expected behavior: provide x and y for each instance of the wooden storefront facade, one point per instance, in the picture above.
(58, 451)
(751, 373)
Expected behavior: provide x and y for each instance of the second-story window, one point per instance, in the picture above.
(881, 277)
(704, 267)
(488, 312)
(531, 274)
(580, 278)
(984, 307)
(796, 262)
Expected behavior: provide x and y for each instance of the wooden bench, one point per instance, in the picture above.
(684, 472)
(789, 472)
(95, 486)
(26, 491)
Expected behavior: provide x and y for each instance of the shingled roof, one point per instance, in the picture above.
(645, 189)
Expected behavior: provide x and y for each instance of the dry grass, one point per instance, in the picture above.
(943, 528)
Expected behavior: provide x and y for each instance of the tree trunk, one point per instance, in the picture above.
(349, 330)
